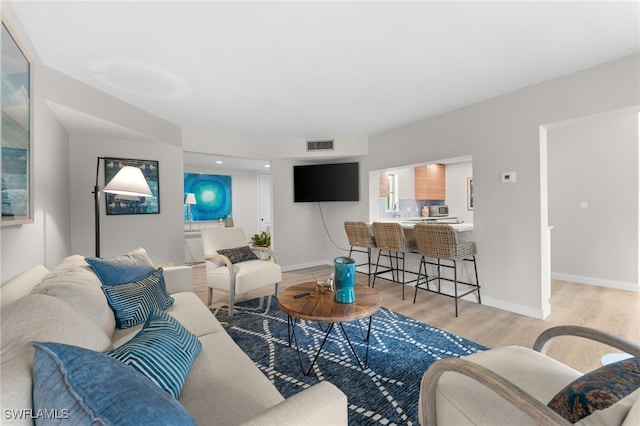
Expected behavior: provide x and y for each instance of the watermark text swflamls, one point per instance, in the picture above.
(30, 413)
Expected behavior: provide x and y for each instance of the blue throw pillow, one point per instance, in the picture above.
(163, 351)
(131, 303)
(122, 269)
(238, 254)
(597, 390)
(80, 386)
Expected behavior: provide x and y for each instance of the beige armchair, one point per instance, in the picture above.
(513, 385)
(231, 267)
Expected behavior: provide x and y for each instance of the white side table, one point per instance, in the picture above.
(613, 357)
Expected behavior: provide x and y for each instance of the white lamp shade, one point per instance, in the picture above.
(190, 198)
(129, 181)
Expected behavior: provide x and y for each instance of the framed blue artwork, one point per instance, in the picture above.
(213, 196)
(119, 204)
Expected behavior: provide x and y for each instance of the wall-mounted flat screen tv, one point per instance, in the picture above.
(326, 182)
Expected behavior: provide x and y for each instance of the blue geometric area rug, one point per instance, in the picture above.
(385, 392)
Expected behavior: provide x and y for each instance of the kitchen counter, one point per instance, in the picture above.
(409, 223)
(431, 219)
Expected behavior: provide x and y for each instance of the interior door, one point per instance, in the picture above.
(264, 202)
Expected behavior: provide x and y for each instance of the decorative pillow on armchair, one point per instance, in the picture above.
(122, 269)
(132, 302)
(597, 390)
(238, 254)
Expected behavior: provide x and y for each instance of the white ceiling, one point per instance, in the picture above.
(309, 70)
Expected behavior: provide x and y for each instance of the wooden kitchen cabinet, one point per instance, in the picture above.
(430, 182)
(384, 184)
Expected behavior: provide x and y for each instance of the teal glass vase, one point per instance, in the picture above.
(345, 279)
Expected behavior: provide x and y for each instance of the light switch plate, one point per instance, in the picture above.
(508, 177)
(584, 205)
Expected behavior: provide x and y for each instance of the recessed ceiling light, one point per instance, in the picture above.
(218, 162)
(267, 165)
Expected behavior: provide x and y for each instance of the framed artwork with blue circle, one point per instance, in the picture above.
(213, 196)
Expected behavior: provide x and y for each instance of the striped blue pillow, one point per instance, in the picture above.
(163, 351)
(84, 387)
(132, 302)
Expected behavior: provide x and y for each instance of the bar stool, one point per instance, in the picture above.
(389, 237)
(441, 242)
(361, 240)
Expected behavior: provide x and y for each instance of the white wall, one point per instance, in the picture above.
(161, 234)
(503, 135)
(456, 190)
(300, 238)
(205, 142)
(236, 146)
(47, 240)
(119, 130)
(597, 162)
(406, 178)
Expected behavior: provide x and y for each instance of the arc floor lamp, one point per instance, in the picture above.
(129, 182)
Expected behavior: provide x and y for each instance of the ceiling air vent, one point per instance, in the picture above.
(324, 145)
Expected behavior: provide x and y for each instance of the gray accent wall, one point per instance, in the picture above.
(595, 162)
(508, 134)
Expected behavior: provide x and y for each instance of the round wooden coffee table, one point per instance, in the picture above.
(302, 301)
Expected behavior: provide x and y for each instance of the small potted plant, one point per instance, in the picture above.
(263, 239)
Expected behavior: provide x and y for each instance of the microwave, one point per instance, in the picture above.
(435, 211)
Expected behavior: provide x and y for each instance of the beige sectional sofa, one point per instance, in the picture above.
(224, 387)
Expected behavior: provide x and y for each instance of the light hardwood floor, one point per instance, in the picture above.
(615, 311)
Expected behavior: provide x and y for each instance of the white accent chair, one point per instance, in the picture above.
(241, 277)
(512, 385)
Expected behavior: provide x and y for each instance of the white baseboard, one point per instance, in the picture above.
(306, 265)
(518, 309)
(595, 281)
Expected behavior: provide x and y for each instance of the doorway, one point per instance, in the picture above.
(264, 202)
(589, 198)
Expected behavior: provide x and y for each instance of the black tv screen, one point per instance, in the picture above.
(326, 182)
